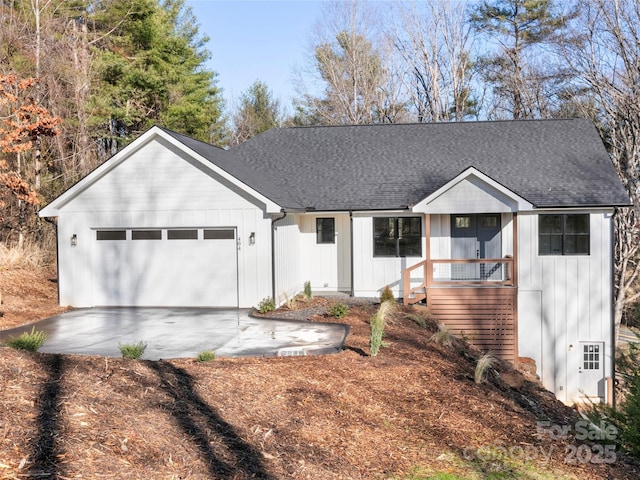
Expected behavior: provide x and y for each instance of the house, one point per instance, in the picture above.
(503, 228)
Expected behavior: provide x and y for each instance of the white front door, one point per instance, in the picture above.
(591, 370)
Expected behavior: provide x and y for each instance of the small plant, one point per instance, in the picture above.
(377, 323)
(206, 356)
(30, 342)
(308, 294)
(291, 302)
(387, 295)
(132, 350)
(338, 310)
(442, 336)
(266, 305)
(485, 362)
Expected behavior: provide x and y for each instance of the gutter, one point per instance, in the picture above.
(273, 252)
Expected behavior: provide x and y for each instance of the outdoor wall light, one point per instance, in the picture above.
(252, 238)
(74, 240)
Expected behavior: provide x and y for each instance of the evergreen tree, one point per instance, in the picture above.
(521, 86)
(151, 72)
(257, 113)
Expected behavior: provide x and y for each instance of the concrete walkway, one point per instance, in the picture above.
(183, 333)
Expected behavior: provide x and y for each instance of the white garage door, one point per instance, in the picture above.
(189, 267)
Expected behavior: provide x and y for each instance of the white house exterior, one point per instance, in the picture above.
(503, 228)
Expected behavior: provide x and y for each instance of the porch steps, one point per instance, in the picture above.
(485, 316)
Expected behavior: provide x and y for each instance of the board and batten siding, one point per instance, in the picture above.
(326, 265)
(158, 186)
(372, 274)
(562, 301)
(287, 258)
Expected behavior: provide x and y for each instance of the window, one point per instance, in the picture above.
(564, 234)
(591, 357)
(463, 222)
(219, 234)
(397, 237)
(146, 235)
(182, 234)
(325, 230)
(111, 235)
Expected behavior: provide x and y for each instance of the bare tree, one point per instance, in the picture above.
(435, 43)
(351, 66)
(606, 57)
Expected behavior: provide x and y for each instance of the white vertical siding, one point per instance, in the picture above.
(287, 253)
(372, 274)
(574, 297)
(157, 187)
(327, 266)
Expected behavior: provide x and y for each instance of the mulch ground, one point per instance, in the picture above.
(412, 410)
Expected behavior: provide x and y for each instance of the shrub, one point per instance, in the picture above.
(206, 356)
(387, 295)
(338, 310)
(485, 362)
(307, 290)
(626, 416)
(442, 336)
(377, 323)
(132, 350)
(28, 341)
(266, 305)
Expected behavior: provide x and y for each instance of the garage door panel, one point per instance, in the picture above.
(167, 272)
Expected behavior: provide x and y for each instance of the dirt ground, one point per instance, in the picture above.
(411, 412)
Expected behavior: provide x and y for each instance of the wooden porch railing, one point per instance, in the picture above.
(500, 272)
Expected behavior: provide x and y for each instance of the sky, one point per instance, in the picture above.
(253, 40)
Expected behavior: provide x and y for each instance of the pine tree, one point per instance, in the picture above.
(520, 85)
(257, 113)
(151, 72)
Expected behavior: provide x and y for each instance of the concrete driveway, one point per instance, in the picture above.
(183, 333)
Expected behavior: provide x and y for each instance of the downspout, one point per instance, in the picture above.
(55, 224)
(273, 252)
(612, 400)
(352, 292)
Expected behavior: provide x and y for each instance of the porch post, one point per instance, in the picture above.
(515, 250)
(515, 288)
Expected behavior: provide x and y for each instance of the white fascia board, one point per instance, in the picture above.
(53, 208)
(382, 213)
(586, 209)
(523, 205)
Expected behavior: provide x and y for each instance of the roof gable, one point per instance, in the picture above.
(153, 134)
(472, 192)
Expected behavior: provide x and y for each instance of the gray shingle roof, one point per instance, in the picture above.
(550, 163)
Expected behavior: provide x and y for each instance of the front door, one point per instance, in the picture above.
(591, 369)
(476, 236)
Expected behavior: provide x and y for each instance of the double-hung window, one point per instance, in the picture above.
(397, 237)
(563, 234)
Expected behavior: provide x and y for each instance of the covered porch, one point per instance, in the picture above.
(469, 276)
(476, 298)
